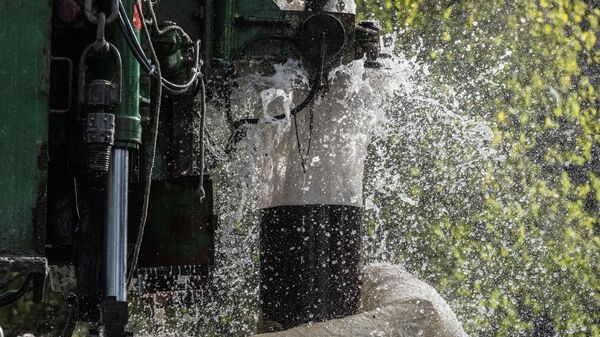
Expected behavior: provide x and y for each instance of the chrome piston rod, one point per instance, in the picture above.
(116, 227)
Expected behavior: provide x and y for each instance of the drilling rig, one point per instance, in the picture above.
(102, 132)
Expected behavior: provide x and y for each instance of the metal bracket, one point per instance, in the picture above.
(69, 63)
(14, 262)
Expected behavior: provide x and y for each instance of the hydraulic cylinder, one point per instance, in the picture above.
(116, 228)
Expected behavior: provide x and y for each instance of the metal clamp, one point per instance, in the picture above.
(366, 39)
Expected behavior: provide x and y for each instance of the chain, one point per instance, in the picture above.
(93, 17)
(100, 20)
(101, 44)
(100, 47)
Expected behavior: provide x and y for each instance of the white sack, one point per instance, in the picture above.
(394, 303)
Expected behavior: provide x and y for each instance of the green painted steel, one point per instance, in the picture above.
(226, 41)
(180, 228)
(237, 22)
(25, 28)
(128, 131)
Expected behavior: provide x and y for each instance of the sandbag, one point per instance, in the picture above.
(394, 303)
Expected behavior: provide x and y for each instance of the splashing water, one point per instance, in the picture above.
(389, 115)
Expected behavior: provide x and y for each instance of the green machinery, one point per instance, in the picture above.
(24, 137)
(95, 157)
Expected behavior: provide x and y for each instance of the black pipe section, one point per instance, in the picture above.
(310, 263)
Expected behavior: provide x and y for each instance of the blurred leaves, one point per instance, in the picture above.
(516, 251)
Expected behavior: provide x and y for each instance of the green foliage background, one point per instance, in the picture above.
(516, 250)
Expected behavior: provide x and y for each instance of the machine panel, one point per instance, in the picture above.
(24, 90)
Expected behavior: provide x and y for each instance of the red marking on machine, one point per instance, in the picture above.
(137, 21)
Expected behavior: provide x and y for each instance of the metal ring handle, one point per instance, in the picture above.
(90, 50)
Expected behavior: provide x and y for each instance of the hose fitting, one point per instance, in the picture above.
(99, 137)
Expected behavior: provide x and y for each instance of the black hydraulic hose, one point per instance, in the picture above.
(168, 28)
(11, 296)
(218, 154)
(303, 157)
(10, 280)
(202, 115)
(316, 85)
(237, 133)
(238, 54)
(70, 324)
(148, 67)
(136, 48)
(150, 169)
